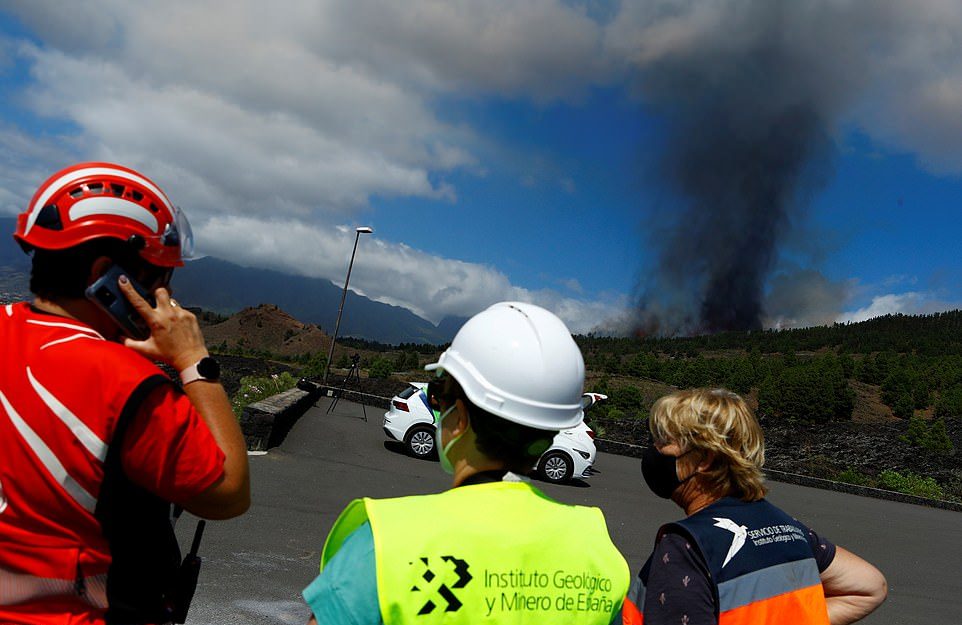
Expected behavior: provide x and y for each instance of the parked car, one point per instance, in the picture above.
(410, 420)
(572, 452)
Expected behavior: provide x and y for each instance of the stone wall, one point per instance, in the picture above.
(267, 422)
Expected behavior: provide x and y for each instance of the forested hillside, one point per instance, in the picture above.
(877, 402)
(807, 374)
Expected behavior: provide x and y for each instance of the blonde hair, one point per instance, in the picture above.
(720, 422)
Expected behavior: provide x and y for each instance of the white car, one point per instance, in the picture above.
(571, 455)
(411, 421)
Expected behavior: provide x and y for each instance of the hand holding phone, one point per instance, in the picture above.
(106, 294)
(170, 333)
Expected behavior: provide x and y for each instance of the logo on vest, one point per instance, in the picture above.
(437, 582)
(738, 539)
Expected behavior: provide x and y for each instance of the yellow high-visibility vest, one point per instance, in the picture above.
(501, 552)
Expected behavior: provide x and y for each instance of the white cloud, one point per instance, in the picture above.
(392, 273)
(545, 49)
(24, 158)
(887, 66)
(572, 284)
(272, 126)
(907, 303)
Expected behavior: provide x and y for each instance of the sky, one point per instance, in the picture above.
(611, 161)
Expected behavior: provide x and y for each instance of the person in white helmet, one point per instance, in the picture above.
(493, 548)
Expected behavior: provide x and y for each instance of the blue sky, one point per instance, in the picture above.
(500, 150)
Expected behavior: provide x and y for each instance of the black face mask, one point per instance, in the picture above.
(660, 472)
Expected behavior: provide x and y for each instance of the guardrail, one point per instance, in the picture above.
(357, 396)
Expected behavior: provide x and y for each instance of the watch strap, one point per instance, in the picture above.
(192, 373)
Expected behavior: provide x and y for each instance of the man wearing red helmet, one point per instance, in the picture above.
(96, 441)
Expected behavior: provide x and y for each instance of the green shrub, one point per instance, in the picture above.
(937, 438)
(910, 484)
(254, 389)
(815, 392)
(380, 368)
(629, 399)
(950, 403)
(615, 413)
(597, 427)
(916, 432)
(904, 406)
(933, 437)
(854, 476)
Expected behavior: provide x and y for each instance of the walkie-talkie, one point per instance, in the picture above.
(187, 575)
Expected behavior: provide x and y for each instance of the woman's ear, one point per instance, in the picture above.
(706, 462)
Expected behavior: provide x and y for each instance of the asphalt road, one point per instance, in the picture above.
(255, 566)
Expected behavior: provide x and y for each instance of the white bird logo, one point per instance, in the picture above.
(740, 532)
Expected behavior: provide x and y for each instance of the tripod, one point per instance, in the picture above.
(353, 374)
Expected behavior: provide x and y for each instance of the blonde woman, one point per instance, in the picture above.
(735, 558)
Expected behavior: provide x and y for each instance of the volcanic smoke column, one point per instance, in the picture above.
(746, 114)
(737, 175)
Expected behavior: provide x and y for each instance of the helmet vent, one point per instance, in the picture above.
(519, 310)
(96, 187)
(153, 208)
(117, 189)
(137, 195)
(49, 218)
(77, 193)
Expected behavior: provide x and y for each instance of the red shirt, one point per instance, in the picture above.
(62, 389)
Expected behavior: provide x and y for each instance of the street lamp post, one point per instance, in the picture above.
(330, 354)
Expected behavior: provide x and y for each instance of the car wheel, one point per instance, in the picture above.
(420, 442)
(555, 467)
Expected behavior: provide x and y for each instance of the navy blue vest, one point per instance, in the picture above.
(754, 552)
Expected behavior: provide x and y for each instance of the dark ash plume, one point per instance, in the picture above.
(746, 142)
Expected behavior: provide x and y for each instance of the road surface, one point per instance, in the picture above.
(255, 566)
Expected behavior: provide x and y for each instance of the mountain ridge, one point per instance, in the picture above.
(227, 288)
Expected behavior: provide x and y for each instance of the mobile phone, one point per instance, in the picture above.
(106, 294)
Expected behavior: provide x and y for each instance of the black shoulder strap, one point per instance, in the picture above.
(136, 523)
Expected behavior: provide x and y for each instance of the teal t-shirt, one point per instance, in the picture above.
(346, 591)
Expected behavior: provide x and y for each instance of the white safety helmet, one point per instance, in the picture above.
(518, 362)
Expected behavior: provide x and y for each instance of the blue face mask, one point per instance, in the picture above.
(443, 451)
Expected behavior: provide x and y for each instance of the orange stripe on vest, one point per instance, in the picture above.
(805, 606)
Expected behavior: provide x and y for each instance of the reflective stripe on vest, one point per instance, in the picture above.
(767, 583)
(47, 458)
(18, 588)
(499, 552)
(631, 612)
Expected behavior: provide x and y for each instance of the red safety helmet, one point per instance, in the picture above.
(89, 201)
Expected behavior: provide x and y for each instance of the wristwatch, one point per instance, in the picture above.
(206, 369)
